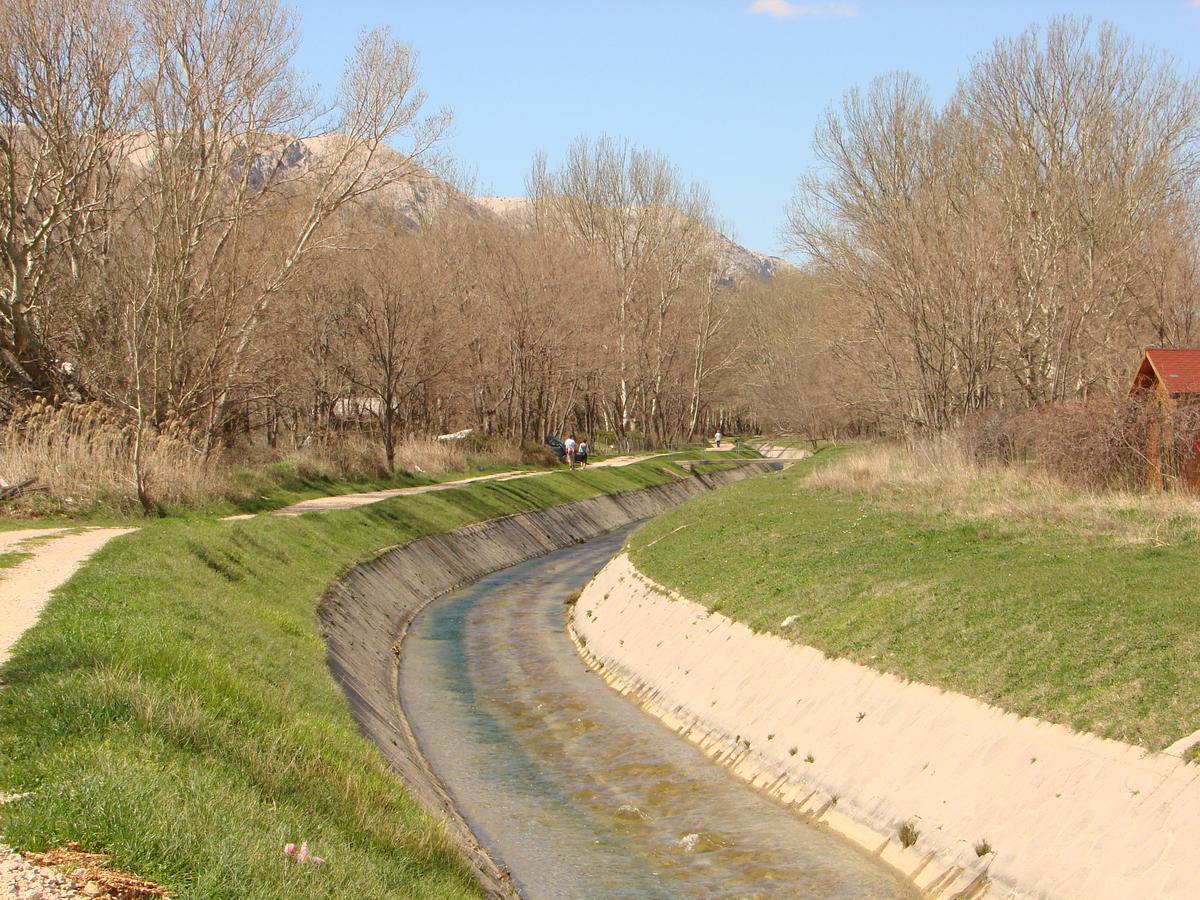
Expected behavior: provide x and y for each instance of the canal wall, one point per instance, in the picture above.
(365, 614)
(996, 805)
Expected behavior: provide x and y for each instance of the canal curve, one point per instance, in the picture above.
(569, 785)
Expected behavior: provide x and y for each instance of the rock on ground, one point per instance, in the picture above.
(22, 880)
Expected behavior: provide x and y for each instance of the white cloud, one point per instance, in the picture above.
(784, 9)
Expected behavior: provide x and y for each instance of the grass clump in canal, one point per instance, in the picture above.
(173, 709)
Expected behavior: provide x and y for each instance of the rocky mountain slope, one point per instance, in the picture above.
(417, 199)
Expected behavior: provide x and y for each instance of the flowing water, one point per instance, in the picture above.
(575, 789)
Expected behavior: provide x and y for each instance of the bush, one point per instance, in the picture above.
(1098, 443)
(538, 455)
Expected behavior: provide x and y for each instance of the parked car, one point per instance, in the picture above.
(559, 448)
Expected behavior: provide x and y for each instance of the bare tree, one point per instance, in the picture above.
(235, 195)
(390, 343)
(66, 96)
(631, 206)
(1017, 246)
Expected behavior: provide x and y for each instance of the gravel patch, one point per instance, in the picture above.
(22, 880)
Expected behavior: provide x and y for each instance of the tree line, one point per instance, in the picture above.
(1014, 247)
(199, 242)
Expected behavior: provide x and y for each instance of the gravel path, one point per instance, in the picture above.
(22, 880)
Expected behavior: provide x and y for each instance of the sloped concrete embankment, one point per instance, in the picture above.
(366, 613)
(998, 805)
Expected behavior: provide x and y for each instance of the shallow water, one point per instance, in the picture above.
(574, 788)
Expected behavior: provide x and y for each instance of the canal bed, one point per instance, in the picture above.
(571, 786)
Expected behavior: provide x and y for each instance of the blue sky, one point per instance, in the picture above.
(730, 95)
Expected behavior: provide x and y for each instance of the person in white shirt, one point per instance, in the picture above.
(718, 437)
(569, 444)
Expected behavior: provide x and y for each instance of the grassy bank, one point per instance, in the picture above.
(219, 488)
(173, 707)
(1072, 607)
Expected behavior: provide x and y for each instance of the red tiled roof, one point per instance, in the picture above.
(1179, 370)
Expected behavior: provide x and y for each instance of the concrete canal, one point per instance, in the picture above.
(571, 786)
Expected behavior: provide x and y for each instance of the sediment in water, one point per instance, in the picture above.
(365, 614)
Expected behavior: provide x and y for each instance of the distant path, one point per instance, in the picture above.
(775, 451)
(350, 501)
(25, 588)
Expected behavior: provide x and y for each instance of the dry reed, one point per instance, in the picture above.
(940, 474)
(83, 454)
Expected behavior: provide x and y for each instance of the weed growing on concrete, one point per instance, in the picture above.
(1192, 753)
(908, 834)
(810, 758)
(983, 848)
(793, 751)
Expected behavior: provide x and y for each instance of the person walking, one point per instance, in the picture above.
(718, 437)
(581, 453)
(569, 443)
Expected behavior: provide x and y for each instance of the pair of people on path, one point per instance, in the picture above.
(576, 453)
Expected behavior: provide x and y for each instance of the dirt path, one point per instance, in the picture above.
(350, 501)
(25, 588)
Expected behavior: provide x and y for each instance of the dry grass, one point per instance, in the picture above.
(430, 457)
(83, 455)
(940, 475)
(353, 454)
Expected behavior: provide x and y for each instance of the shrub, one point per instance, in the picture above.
(1098, 443)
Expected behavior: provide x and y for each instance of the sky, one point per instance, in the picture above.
(729, 90)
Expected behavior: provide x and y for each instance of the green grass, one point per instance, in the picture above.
(1082, 629)
(13, 558)
(282, 484)
(173, 708)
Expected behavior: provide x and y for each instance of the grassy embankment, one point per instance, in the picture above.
(90, 493)
(1078, 608)
(173, 707)
(245, 489)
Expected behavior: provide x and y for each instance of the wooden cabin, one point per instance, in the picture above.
(1169, 379)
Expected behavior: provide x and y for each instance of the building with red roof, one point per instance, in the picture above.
(1169, 379)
